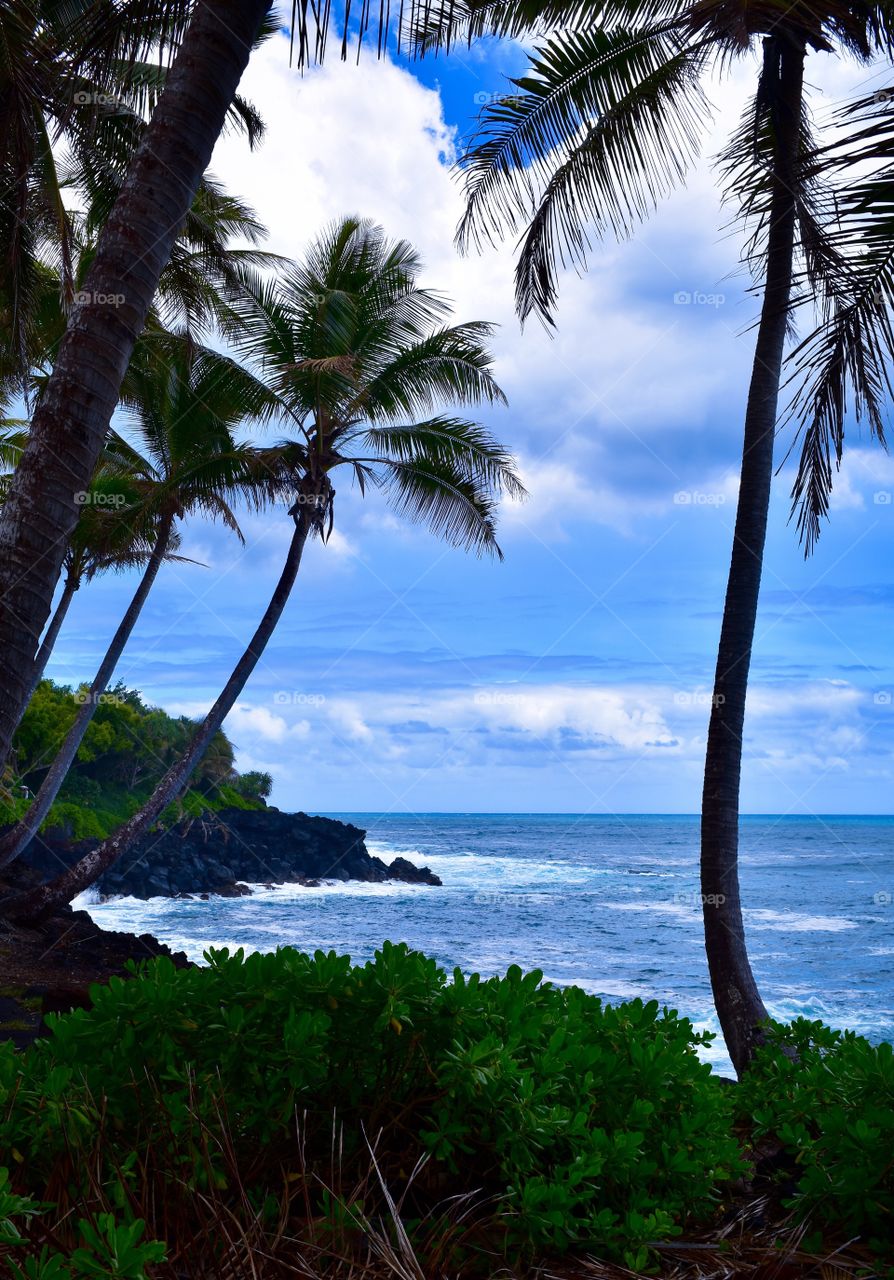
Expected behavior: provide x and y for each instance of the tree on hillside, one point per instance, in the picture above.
(125, 752)
(361, 357)
(604, 123)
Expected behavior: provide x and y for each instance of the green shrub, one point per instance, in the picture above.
(828, 1096)
(585, 1124)
(78, 822)
(106, 1248)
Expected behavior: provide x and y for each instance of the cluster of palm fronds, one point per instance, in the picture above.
(78, 82)
(607, 119)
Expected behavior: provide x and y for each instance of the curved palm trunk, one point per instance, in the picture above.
(88, 870)
(16, 840)
(74, 414)
(738, 1002)
(51, 635)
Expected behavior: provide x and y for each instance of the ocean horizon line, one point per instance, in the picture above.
(567, 813)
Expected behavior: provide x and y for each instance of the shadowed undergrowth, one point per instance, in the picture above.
(294, 1115)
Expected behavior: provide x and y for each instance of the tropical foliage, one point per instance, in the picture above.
(125, 751)
(828, 1097)
(77, 83)
(566, 1122)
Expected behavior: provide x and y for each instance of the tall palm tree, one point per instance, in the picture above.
(71, 422)
(186, 401)
(162, 179)
(360, 356)
(606, 122)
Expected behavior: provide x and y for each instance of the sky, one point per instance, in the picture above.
(575, 675)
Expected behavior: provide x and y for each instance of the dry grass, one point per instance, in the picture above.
(321, 1229)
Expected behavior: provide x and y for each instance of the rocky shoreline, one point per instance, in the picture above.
(222, 853)
(50, 966)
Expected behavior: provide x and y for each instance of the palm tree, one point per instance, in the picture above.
(107, 539)
(191, 110)
(107, 536)
(606, 122)
(82, 75)
(186, 402)
(71, 421)
(359, 356)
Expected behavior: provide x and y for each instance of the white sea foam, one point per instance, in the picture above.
(794, 922)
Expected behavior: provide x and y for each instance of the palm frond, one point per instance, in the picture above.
(464, 447)
(439, 26)
(446, 499)
(845, 363)
(451, 365)
(603, 126)
(636, 152)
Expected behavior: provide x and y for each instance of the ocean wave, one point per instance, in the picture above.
(795, 922)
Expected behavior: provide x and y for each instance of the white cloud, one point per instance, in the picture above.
(258, 722)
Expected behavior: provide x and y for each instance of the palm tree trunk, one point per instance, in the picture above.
(738, 1002)
(16, 840)
(48, 643)
(88, 870)
(74, 413)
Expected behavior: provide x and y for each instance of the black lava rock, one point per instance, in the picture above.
(218, 853)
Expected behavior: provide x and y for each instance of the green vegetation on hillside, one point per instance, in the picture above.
(126, 750)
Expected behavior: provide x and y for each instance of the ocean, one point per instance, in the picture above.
(609, 903)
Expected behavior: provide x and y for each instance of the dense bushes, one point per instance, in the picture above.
(294, 1094)
(573, 1122)
(828, 1096)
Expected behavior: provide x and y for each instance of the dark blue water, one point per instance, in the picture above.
(607, 902)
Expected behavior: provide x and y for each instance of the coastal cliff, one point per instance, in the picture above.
(220, 852)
